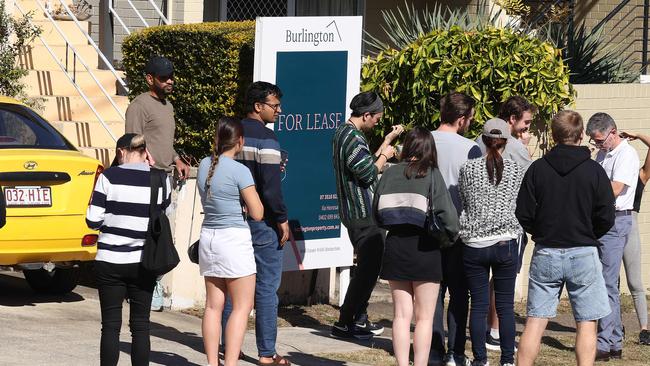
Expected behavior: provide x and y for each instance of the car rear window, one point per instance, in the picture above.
(20, 127)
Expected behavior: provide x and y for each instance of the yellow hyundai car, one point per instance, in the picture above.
(47, 184)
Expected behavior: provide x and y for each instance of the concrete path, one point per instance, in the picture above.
(44, 330)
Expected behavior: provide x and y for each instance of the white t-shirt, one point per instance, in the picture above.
(622, 165)
(453, 151)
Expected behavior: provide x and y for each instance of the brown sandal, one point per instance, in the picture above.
(277, 361)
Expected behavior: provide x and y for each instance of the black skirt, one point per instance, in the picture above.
(411, 255)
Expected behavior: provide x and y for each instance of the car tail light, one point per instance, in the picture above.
(89, 240)
(99, 171)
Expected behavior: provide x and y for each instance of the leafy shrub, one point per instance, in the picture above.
(213, 64)
(489, 65)
(15, 34)
(589, 58)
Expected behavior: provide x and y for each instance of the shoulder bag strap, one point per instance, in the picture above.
(431, 187)
(155, 185)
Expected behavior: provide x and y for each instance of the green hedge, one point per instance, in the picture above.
(490, 65)
(213, 64)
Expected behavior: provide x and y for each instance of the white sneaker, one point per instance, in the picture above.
(456, 361)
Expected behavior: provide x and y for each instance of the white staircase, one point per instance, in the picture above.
(63, 105)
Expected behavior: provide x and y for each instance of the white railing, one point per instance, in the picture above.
(64, 69)
(81, 60)
(94, 45)
(113, 11)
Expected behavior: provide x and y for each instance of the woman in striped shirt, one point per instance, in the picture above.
(119, 209)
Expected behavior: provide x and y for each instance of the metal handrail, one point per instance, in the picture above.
(92, 43)
(81, 93)
(137, 12)
(81, 60)
(119, 18)
(157, 10)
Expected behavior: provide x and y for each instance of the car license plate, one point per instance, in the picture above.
(28, 196)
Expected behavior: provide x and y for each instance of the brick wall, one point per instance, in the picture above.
(629, 105)
(193, 11)
(624, 30)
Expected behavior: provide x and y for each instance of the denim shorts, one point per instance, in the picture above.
(579, 270)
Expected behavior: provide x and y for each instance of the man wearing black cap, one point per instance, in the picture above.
(152, 115)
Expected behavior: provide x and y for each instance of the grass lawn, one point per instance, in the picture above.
(557, 344)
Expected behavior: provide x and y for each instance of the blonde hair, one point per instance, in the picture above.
(567, 127)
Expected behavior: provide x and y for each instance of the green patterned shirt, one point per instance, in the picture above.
(356, 176)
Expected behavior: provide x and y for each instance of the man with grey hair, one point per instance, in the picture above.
(621, 163)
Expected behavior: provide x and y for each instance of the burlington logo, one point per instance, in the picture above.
(316, 38)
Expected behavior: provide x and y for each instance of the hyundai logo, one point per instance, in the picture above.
(30, 165)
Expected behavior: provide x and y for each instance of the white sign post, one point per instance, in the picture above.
(316, 62)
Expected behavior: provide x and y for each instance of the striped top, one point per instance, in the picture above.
(356, 176)
(405, 201)
(119, 209)
(261, 155)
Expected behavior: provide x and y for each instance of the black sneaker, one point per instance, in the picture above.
(364, 324)
(602, 356)
(644, 337)
(616, 355)
(350, 332)
(491, 343)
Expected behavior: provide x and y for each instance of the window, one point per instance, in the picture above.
(22, 128)
(250, 9)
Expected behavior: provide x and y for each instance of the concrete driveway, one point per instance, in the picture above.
(53, 331)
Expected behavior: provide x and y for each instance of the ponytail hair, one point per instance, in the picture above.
(493, 159)
(226, 137)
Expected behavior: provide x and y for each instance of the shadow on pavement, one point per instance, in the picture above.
(554, 343)
(161, 358)
(189, 339)
(16, 292)
(557, 327)
(302, 359)
(376, 342)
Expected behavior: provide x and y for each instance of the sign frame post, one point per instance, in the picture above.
(286, 50)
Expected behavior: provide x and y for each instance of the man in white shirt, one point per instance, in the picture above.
(621, 163)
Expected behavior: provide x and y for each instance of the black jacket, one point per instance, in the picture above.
(566, 199)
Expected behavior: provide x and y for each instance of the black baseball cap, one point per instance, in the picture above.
(126, 142)
(159, 66)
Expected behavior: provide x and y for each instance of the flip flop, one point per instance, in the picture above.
(277, 361)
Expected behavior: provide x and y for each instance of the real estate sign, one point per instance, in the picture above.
(316, 61)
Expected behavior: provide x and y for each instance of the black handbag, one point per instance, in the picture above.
(432, 224)
(159, 254)
(193, 252)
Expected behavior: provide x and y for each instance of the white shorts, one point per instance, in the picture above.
(226, 253)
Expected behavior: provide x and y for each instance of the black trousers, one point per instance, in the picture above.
(454, 281)
(116, 282)
(368, 243)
